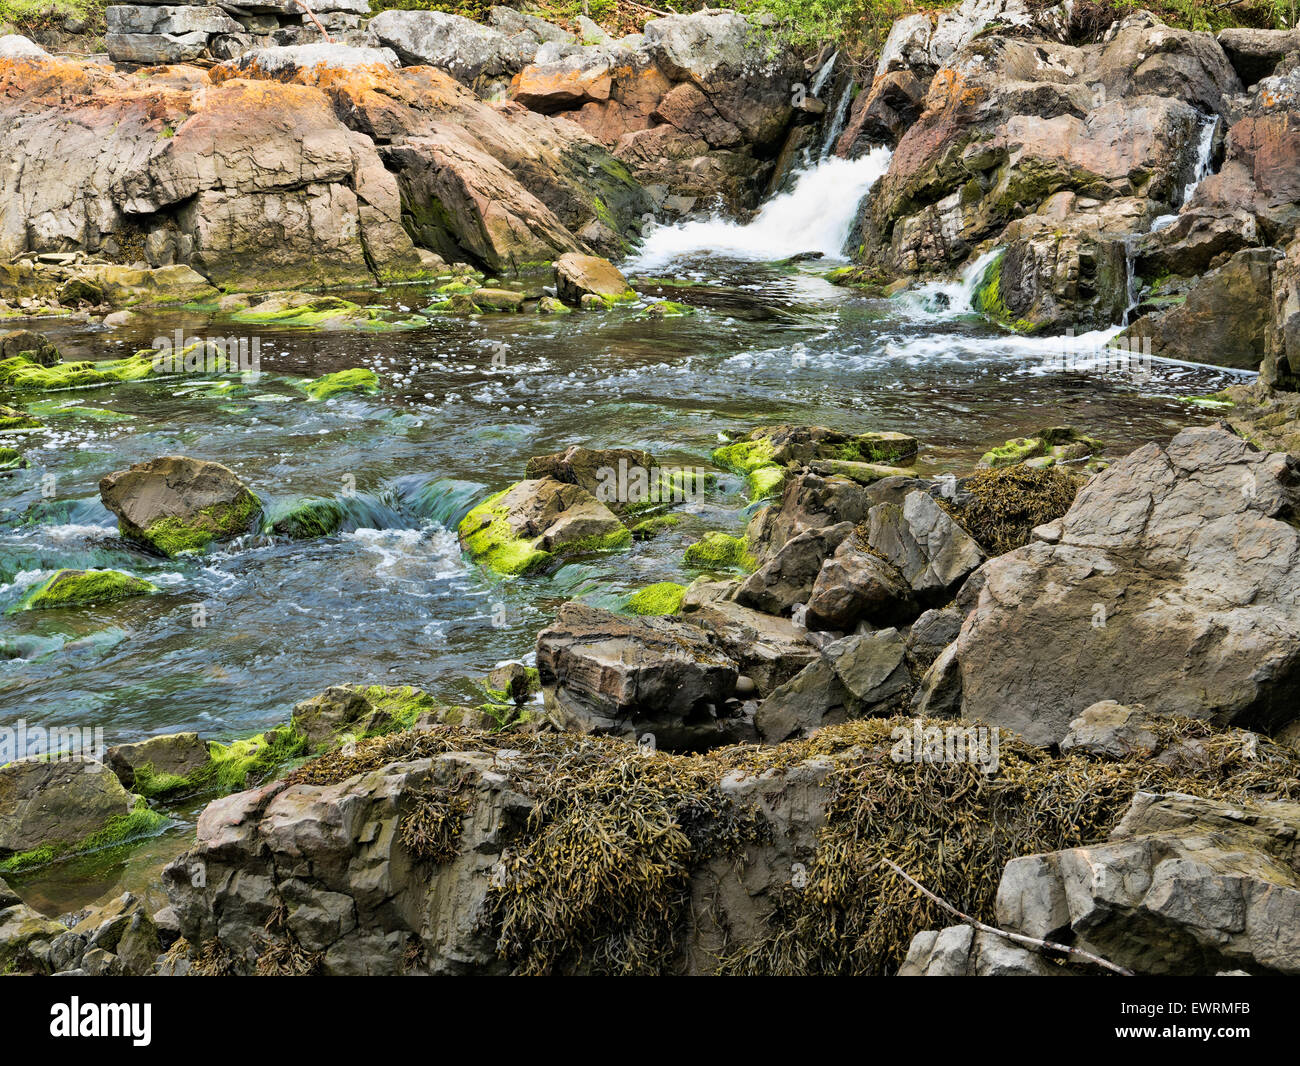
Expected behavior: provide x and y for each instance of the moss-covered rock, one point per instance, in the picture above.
(538, 519)
(305, 518)
(357, 379)
(1014, 451)
(14, 420)
(647, 528)
(84, 588)
(11, 459)
(21, 373)
(175, 504)
(720, 551)
(303, 310)
(661, 598)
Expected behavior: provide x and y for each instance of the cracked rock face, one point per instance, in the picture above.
(296, 167)
(1174, 584)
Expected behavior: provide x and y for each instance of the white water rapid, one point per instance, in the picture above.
(816, 215)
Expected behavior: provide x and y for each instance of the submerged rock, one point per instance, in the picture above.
(175, 504)
(84, 588)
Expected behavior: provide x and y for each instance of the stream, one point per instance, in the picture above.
(241, 634)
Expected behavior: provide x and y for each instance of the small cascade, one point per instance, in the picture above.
(944, 299)
(823, 74)
(815, 216)
(1130, 275)
(838, 118)
(1203, 150)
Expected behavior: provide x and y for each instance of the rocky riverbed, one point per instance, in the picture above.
(503, 498)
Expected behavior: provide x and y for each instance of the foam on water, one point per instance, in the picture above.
(814, 216)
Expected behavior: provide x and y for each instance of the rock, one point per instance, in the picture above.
(602, 673)
(563, 85)
(964, 951)
(1171, 586)
(14, 46)
(858, 585)
(513, 681)
(287, 61)
(511, 22)
(787, 578)
(176, 504)
(854, 677)
(536, 519)
(43, 804)
(1225, 319)
(930, 634)
(84, 588)
(1255, 54)
(35, 347)
(465, 49)
(498, 299)
(174, 755)
(601, 472)
(932, 552)
(577, 276)
(1184, 886)
(938, 695)
(768, 650)
(1281, 366)
(25, 937)
(168, 19)
(338, 710)
(1110, 730)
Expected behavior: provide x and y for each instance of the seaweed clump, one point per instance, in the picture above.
(1005, 504)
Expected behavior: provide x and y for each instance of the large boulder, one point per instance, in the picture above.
(462, 47)
(1184, 886)
(175, 504)
(170, 756)
(1173, 584)
(602, 673)
(44, 803)
(786, 579)
(578, 276)
(858, 584)
(923, 543)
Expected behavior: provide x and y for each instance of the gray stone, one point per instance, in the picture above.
(787, 578)
(168, 19)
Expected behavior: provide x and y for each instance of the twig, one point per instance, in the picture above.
(643, 7)
(1028, 941)
(303, 4)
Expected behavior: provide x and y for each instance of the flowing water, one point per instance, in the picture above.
(464, 403)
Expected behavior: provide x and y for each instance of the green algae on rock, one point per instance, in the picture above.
(303, 310)
(84, 588)
(141, 822)
(175, 504)
(11, 459)
(23, 374)
(305, 518)
(357, 379)
(661, 598)
(13, 420)
(720, 551)
(536, 520)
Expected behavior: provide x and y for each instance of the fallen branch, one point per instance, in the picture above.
(302, 4)
(652, 10)
(1027, 941)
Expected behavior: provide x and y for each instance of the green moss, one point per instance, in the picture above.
(1016, 450)
(12, 420)
(487, 536)
(11, 459)
(661, 598)
(668, 309)
(77, 588)
(173, 536)
(720, 551)
(357, 379)
(20, 373)
(744, 456)
(646, 529)
(152, 784)
(988, 300)
(601, 542)
(302, 519)
(324, 311)
(401, 703)
(765, 481)
(140, 822)
(234, 765)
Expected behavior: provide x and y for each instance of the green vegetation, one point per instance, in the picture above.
(122, 829)
(173, 536)
(12, 419)
(11, 459)
(357, 379)
(720, 551)
(24, 374)
(663, 597)
(234, 765)
(84, 588)
(1014, 451)
(646, 529)
(31, 16)
(305, 518)
(487, 536)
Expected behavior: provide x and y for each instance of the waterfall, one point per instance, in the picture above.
(816, 215)
(942, 299)
(837, 119)
(819, 82)
(1202, 168)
